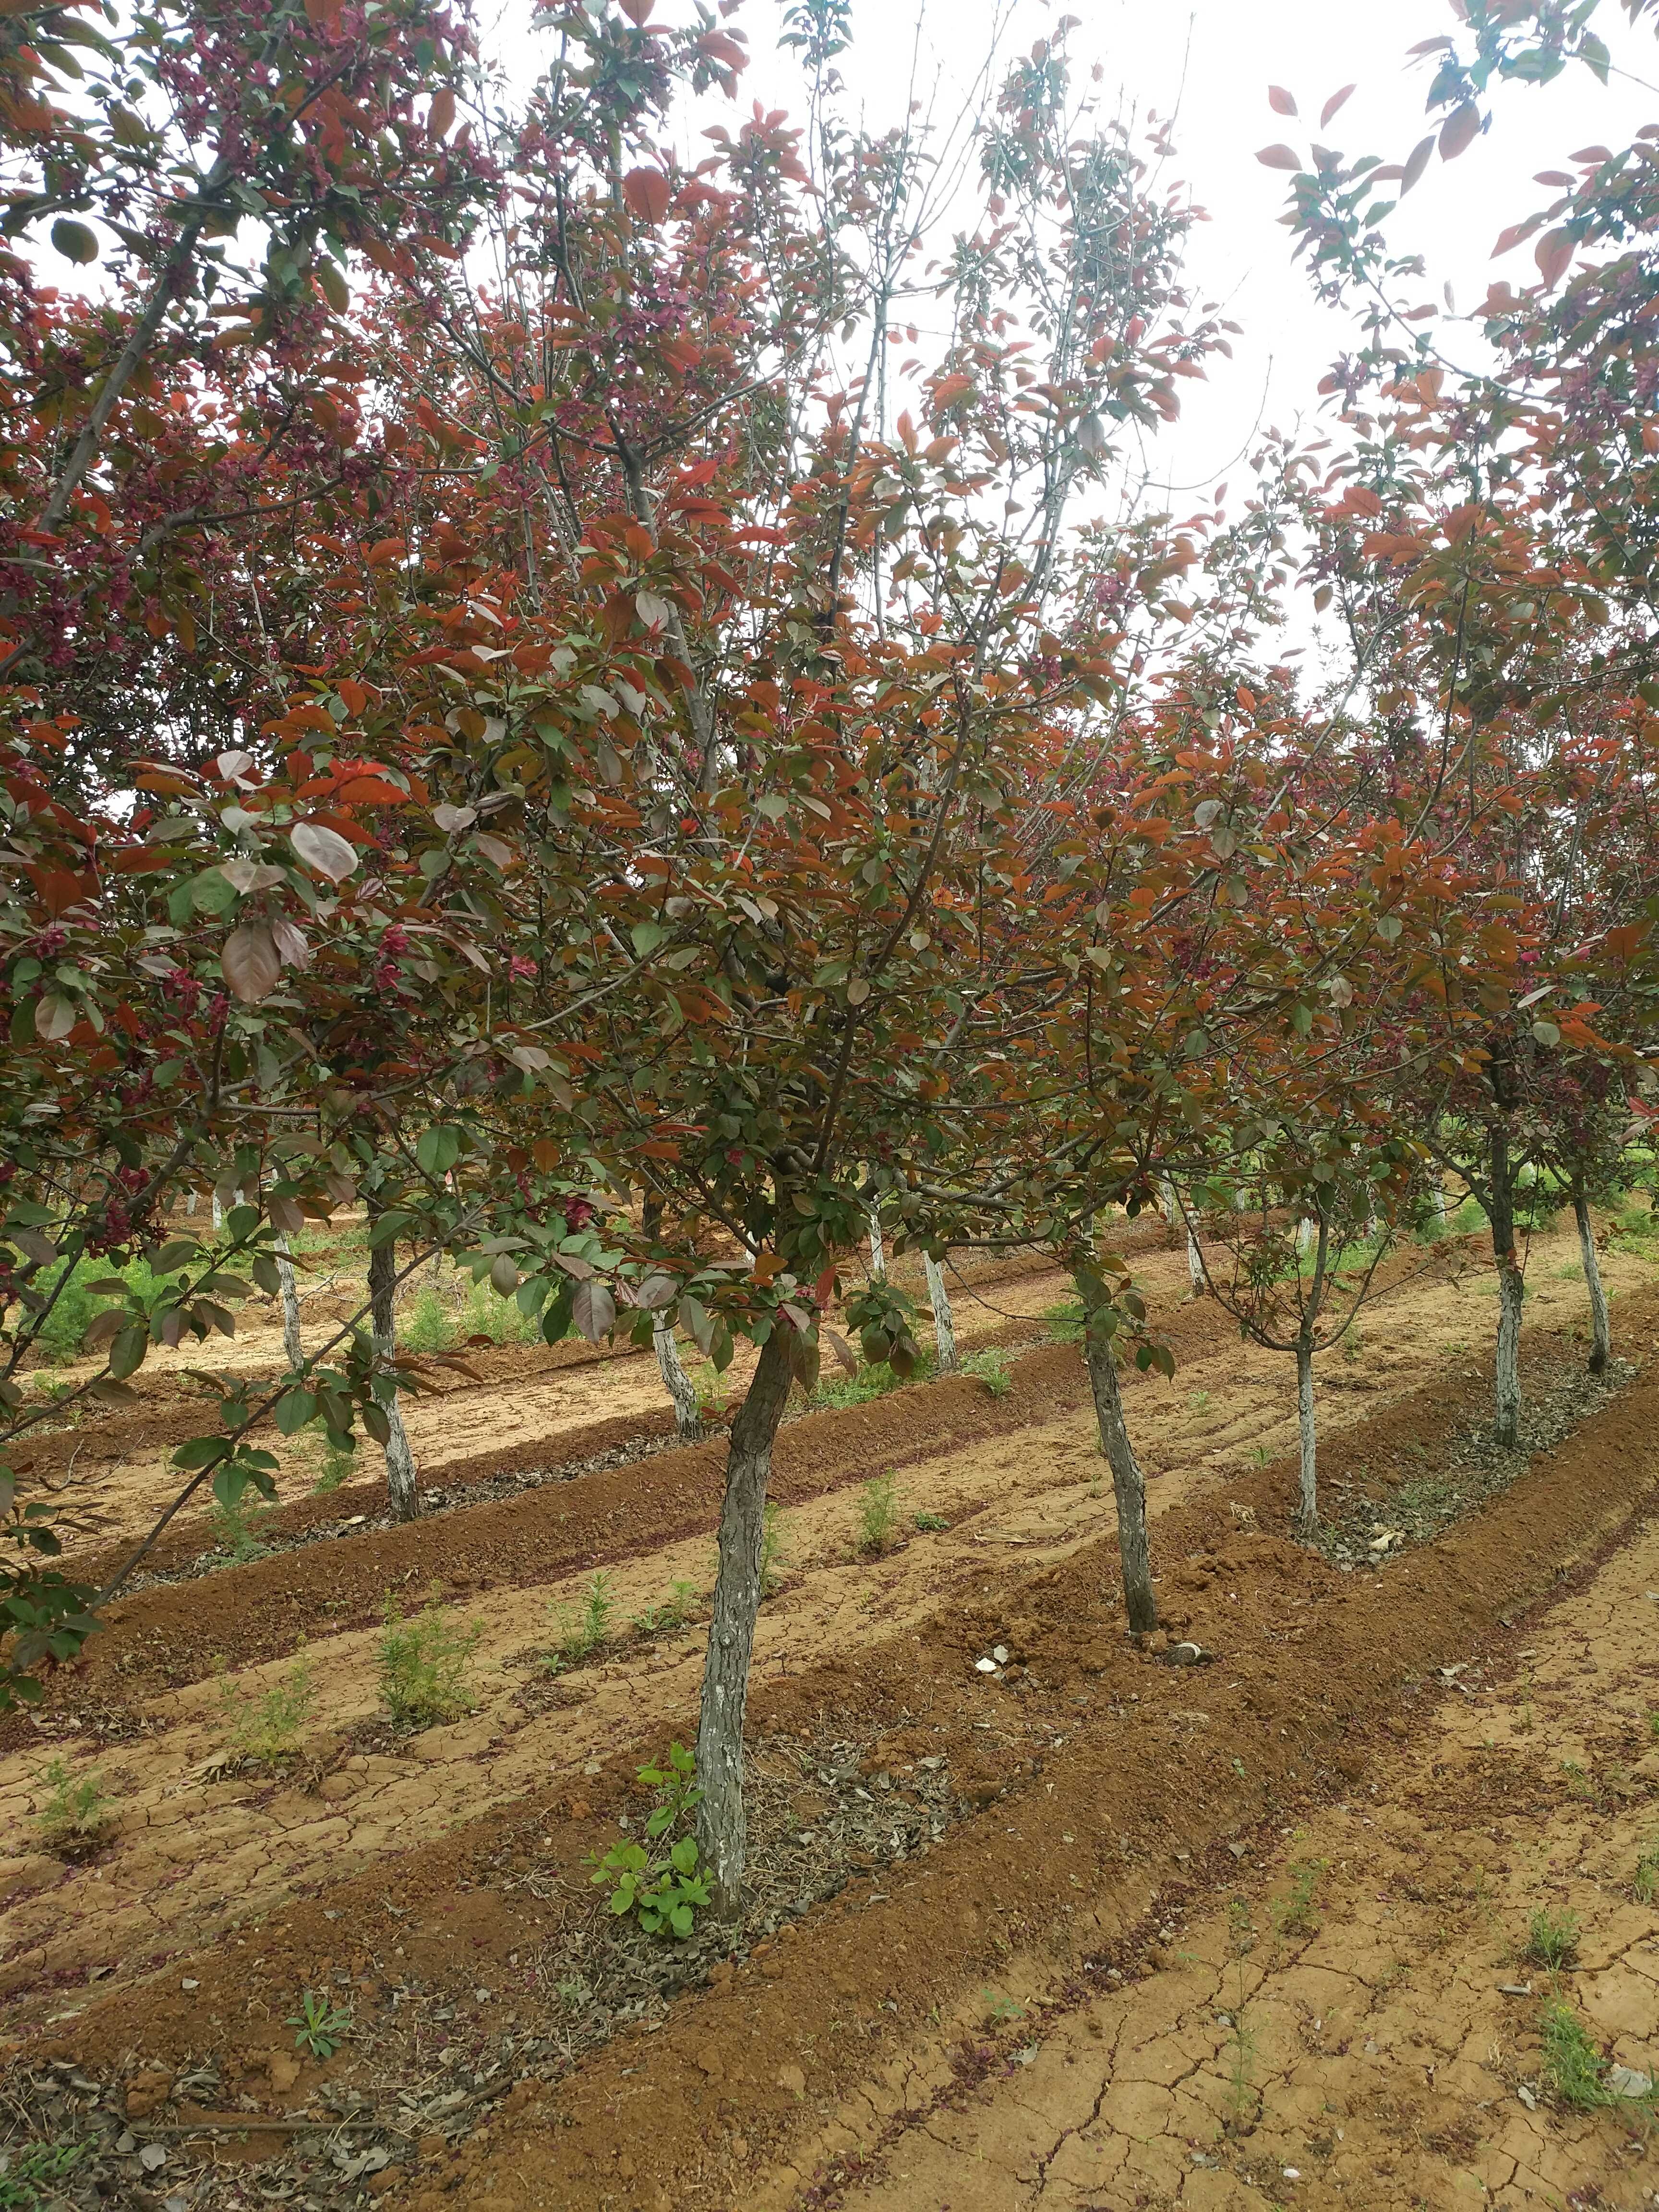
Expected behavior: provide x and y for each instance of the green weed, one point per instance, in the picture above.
(423, 1662)
(836, 1391)
(878, 1512)
(264, 1725)
(993, 1367)
(658, 1880)
(1573, 2067)
(1553, 1938)
(74, 1813)
(30, 2180)
(236, 1528)
(1294, 1915)
(430, 1326)
(929, 1523)
(578, 1631)
(338, 1465)
(1198, 1401)
(320, 2028)
(1065, 1322)
(1644, 1886)
(670, 1614)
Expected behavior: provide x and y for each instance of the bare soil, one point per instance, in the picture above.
(957, 1873)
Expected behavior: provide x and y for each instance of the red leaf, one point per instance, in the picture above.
(638, 12)
(1415, 166)
(1555, 251)
(1460, 128)
(441, 114)
(1280, 100)
(1337, 99)
(249, 962)
(1278, 157)
(647, 194)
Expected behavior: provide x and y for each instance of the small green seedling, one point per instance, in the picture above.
(236, 1528)
(30, 2180)
(423, 1662)
(878, 1512)
(264, 1725)
(339, 1462)
(1553, 1938)
(929, 1523)
(1294, 1915)
(1644, 1887)
(992, 1367)
(668, 1617)
(1198, 1401)
(578, 1634)
(319, 2027)
(658, 1880)
(74, 1814)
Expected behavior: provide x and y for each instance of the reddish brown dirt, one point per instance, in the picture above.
(1104, 1772)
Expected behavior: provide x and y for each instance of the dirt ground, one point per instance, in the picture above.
(1090, 1929)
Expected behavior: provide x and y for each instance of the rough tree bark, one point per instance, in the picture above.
(688, 1419)
(402, 1480)
(1128, 1484)
(1511, 1292)
(293, 1348)
(1601, 1328)
(1309, 1435)
(945, 1327)
(722, 1826)
(877, 1259)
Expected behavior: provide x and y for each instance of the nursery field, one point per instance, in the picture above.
(297, 1896)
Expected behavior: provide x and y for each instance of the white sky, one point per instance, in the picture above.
(1210, 62)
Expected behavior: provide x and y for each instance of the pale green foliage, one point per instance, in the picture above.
(423, 1662)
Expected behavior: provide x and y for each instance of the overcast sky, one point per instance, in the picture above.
(1209, 63)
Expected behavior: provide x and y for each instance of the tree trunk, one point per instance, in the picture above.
(688, 1421)
(1512, 1289)
(402, 1480)
(945, 1327)
(1195, 1263)
(293, 1349)
(722, 1827)
(1309, 1437)
(1128, 1484)
(1601, 1329)
(877, 1260)
(1166, 1193)
(218, 1214)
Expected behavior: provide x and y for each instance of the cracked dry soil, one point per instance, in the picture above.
(961, 2021)
(1355, 2021)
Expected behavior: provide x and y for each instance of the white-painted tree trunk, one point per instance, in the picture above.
(402, 1480)
(877, 1259)
(722, 1823)
(1309, 1435)
(688, 1419)
(945, 1327)
(1511, 1292)
(1167, 1193)
(218, 1214)
(1600, 1327)
(293, 1348)
(1195, 1263)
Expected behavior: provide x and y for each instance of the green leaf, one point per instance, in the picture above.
(74, 240)
(437, 1149)
(294, 1409)
(202, 1451)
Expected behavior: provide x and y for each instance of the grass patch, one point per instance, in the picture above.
(838, 1390)
(578, 1630)
(878, 1512)
(75, 1811)
(428, 1326)
(1064, 1323)
(31, 2179)
(1553, 1938)
(236, 1528)
(1574, 2070)
(994, 1368)
(670, 1614)
(422, 1663)
(264, 1725)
